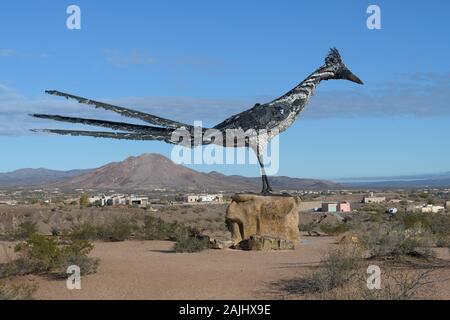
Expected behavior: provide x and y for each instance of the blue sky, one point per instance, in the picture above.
(206, 60)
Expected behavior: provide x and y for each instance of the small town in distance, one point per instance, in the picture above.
(332, 201)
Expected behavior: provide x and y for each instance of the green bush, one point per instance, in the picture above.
(383, 241)
(84, 200)
(25, 230)
(158, 229)
(334, 229)
(42, 255)
(83, 231)
(439, 224)
(186, 239)
(191, 244)
(411, 220)
(339, 266)
(37, 255)
(308, 227)
(120, 229)
(76, 254)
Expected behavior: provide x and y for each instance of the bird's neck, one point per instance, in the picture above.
(298, 97)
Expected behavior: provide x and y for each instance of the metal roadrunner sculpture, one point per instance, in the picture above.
(260, 123)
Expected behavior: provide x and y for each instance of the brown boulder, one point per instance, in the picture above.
(266, 243)
(256, 215)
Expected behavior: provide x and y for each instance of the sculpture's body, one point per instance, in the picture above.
(261, 123)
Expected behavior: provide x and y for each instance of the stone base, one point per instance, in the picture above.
(221, 244)
(265, 243)
(256, 215)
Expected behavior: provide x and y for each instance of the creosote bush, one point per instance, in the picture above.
(186, 239)
(17, 291)
(43, 255)
(334, 229)
(119, 229)
(23, 231)
(336, 269)
(191, 244)
(386, 241)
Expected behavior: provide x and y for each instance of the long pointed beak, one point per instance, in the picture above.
(354, 78)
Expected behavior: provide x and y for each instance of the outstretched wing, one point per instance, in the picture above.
(123, 111)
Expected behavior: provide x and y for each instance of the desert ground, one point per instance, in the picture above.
(151, 270)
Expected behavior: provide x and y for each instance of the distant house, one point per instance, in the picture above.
(8, 202)
(373, 199)
(191, 199)
(137, 201)
(97, 201)
(447, 205)
(344, 207)
(329, 207)
(204, 198)
(310, 205)
(432, 209)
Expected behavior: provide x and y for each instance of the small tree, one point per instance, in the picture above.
(84, 200)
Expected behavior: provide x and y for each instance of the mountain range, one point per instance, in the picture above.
(154, 171)
(148, 172)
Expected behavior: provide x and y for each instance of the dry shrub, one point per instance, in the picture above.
(17, 291)
(336, 269)
(42, 255)
(385, 241)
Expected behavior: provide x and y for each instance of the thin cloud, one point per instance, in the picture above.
(420, 95)
(119, 59)
(10, 53)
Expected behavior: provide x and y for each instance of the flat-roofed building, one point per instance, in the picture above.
(374, 199)
(310, 205)
(344, 207)
(329, 207)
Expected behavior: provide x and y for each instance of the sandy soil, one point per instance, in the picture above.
(150, 270)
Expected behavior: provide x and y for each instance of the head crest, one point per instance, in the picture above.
(333, 57)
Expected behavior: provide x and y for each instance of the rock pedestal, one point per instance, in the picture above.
(263, 222)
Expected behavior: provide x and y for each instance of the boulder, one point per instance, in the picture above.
(221, 244)
(266, 243)
(257, 215)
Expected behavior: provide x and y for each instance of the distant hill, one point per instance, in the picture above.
(36, 177)
(151, 171)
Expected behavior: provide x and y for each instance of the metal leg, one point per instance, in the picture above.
(266, 189)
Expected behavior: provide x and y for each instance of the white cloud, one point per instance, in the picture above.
(9, 53)
(419, 94)
(119, 59)
(422, 95)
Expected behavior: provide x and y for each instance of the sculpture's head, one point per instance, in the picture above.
(335, 65)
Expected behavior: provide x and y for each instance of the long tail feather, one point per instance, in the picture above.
(101, 123)
(111, 135)
(123, 111)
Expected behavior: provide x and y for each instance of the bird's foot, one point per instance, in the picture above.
(266, 192)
